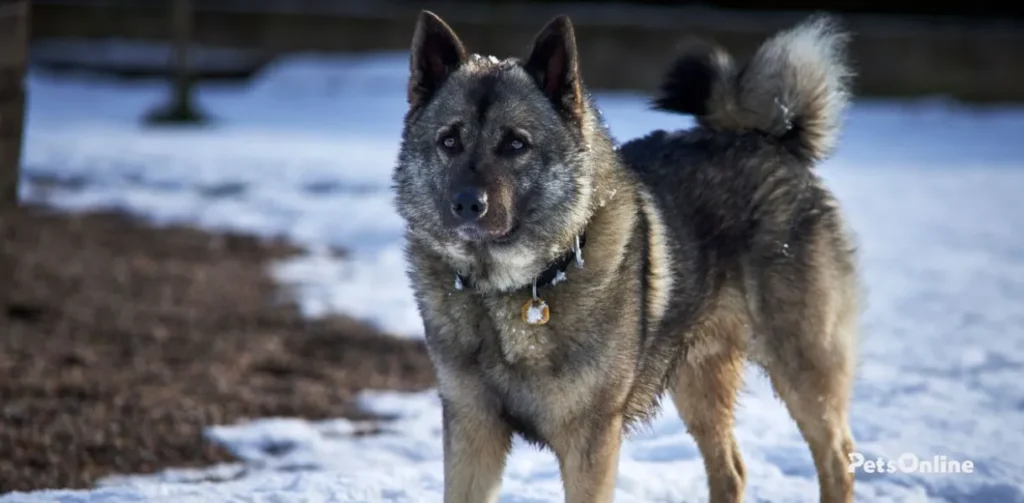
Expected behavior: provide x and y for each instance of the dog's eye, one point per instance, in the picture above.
(513, 145)
(449, 142)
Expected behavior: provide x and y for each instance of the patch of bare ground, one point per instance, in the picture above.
(120, 342)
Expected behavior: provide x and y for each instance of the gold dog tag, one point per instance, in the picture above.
(536, 312)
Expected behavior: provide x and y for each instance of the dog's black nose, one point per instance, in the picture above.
(470, 204)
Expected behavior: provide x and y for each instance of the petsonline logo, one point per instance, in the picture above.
(909, 463)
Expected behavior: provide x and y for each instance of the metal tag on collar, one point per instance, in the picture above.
(535, 311)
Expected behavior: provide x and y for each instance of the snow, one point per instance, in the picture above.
(933, 191)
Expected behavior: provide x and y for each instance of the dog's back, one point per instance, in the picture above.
(757, 237)
(745, 172)
(739, 190)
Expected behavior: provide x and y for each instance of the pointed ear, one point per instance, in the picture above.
(436, 53)
(554, 64)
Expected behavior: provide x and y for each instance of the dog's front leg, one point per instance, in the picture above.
(588, 456)
(476, 443)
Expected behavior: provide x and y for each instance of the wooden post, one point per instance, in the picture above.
(14, 28)
(181, 108)
(182, 37)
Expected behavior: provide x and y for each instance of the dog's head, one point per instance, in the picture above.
(496, 168)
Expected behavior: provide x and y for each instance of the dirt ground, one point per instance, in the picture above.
(120, 342)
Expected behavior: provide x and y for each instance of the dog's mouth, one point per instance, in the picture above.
(482, 235)
(508, 236)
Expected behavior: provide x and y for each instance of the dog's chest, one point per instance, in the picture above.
(493, 331)
(515, 336)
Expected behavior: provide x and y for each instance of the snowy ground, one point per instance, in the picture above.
(933, 191)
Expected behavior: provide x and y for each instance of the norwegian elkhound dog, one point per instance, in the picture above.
(566, 283)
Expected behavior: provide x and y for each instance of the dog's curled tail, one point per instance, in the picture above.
(794, 89)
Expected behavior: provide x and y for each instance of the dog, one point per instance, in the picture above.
(566, 283)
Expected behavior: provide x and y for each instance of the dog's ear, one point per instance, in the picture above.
(554, 64)
(436, 53)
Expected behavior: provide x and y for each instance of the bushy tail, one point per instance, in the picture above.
(795, 88)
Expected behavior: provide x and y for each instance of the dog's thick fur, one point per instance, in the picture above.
(704, 248)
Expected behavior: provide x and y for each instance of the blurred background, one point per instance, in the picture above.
(197, 236)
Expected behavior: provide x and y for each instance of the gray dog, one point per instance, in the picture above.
(565, 284)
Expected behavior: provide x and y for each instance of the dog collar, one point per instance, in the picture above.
(535, 311)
